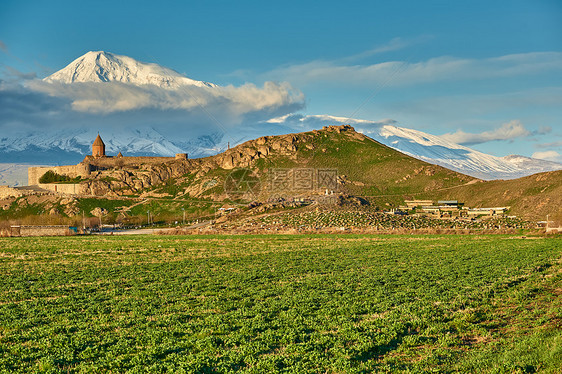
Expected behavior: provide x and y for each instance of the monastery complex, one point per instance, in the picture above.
(97, 161)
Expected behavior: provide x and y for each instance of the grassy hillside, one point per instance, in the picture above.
(385, 175)
(365, 166)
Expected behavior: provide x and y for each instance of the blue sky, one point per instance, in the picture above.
(486, 73)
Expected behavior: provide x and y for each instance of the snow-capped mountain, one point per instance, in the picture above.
(108, 67)
(523, 162)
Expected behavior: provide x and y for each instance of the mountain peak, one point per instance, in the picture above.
(101, 66)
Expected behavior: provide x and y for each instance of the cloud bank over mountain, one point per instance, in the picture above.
(548, 155)
(234, 102)
(104, 90)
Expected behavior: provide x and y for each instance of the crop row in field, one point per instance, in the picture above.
(378, 220)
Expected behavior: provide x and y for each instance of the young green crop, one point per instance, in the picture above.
(256, 304)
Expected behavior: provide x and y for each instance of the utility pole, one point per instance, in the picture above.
(148, 217)
(183, 210)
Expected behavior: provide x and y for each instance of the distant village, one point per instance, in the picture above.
(449, 209)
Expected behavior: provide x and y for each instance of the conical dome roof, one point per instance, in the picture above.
(98, 141)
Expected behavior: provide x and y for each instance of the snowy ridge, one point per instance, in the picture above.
(71, 145)
(528, 162)
(108, 67)
(436, 150)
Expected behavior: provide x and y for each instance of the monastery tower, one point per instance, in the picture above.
(98, 148)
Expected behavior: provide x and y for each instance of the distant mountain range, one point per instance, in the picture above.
(71, 145)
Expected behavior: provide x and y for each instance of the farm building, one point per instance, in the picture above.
(474, 212)
(411, 204)
(451, 203)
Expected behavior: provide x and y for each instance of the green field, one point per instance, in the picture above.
(319, 304)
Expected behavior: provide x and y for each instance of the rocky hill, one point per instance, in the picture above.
(299, 163)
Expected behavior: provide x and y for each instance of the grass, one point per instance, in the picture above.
(163, 210)
(18, 210)
(318, 303)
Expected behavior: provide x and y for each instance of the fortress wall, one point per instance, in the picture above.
(111, 162)
(63, 188)
(34, 173)
(84, 168)
(73, 171)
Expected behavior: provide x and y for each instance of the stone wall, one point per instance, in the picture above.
(41, 231)
(34, 173)
(89, 165)
(116, 162)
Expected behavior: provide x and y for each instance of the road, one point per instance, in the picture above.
(150, 231)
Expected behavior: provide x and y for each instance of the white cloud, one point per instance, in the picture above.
(398, 73)
(548, 155)
(227, 102)
(507, 131)
(181, 115)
